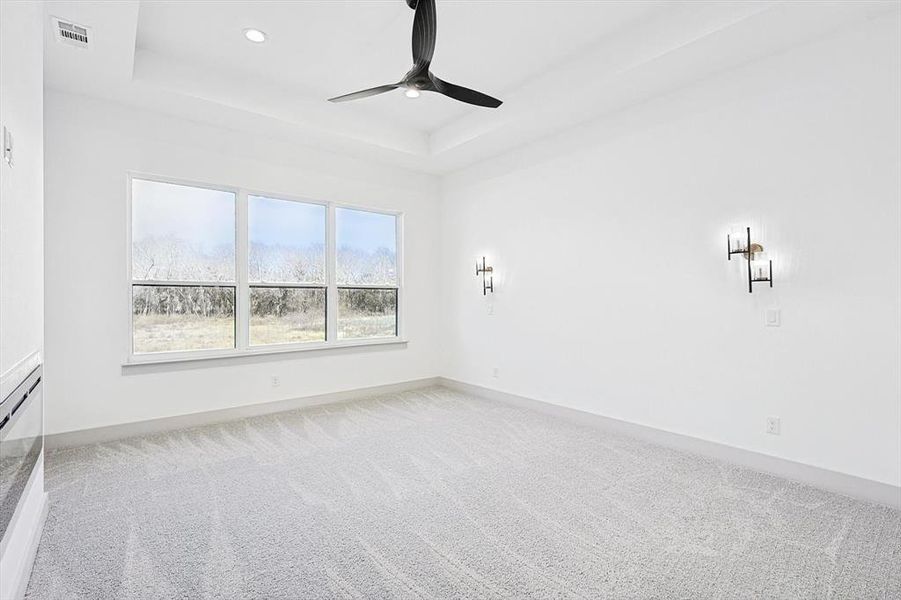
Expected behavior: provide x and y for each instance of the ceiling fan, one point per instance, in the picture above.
(420, 78)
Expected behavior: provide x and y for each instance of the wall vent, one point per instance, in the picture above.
(71, 33)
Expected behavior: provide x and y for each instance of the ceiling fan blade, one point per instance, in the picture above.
(425, 27)
(364, 93)
(458, 92)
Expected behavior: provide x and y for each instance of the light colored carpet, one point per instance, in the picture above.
(434, 494)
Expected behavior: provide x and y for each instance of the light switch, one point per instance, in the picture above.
(7, 146)
(773, 317)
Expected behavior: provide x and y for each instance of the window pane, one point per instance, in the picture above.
(286, 315)
(173, 318)
(367, 246)
(364, 313)
(287, 241)
(182, 233)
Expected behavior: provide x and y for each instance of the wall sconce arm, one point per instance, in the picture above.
(750, 249)
(487, 274)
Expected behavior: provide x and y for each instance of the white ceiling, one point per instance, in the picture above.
(330, 48)
(554, 63)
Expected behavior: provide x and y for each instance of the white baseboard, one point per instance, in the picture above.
(20, 545)
(83, 437)
(833, 481)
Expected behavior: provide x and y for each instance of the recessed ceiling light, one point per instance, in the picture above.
(411, 93)
(255, 35)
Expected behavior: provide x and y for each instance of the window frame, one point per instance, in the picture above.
(242, 283)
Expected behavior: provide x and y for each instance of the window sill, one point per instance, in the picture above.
(173, 358)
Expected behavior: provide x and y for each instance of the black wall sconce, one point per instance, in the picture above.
(487, 274)
(759, 269)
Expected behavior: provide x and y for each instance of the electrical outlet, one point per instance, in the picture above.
(276, 381)
(490, 309)
(773, 317)
(495, 372)
(773, 425)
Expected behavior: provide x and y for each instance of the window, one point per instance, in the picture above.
(367, 274)
(183, 268)
(217, 272)
(286, 271)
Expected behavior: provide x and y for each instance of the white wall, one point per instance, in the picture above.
(91, 144)
(614, 295)
(21, 192)
(21, 256)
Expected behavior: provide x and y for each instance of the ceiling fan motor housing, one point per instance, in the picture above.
(418, 77)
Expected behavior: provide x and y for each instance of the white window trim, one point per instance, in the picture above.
(242, 284)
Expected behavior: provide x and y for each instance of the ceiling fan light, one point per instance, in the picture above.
(255, 35)
(412, 93)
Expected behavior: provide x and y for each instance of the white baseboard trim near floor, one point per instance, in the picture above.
(834, 481)
(84, 437)
(20, 545)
